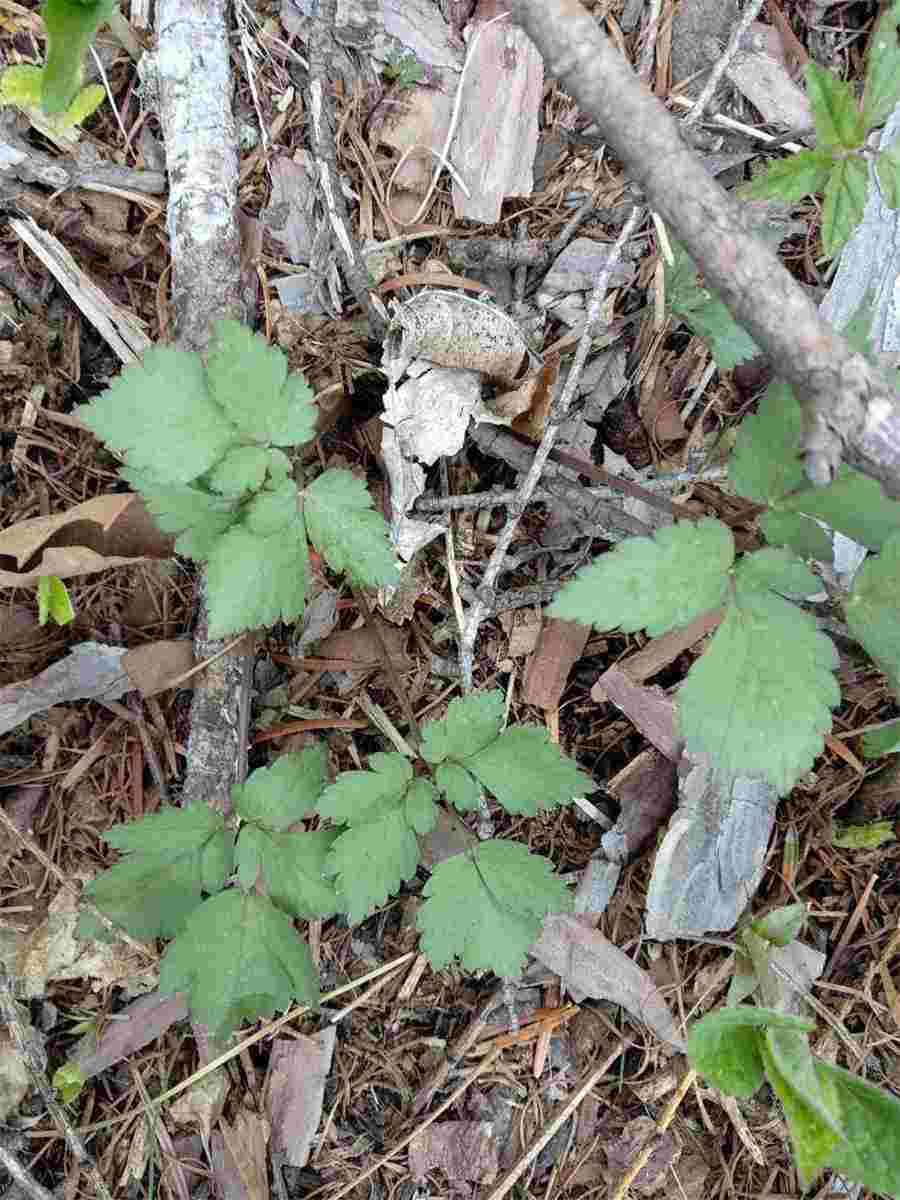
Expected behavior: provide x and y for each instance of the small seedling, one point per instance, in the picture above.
(404, 69)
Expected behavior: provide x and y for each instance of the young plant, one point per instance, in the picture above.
(205, 448)
(227, 890)
(54, 603)
(835, 1118)
(404, 69)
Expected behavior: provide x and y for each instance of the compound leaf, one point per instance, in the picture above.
(345, 528)
(845, 203)
(277, 796)
(486, 907)
(238, 958)
(758, 699)
(371, 861)
(470, 723)
(882, 89)
(724, 1046)
(765, 464)
(421, 809)
(791, 178)
(855, 504)
(800, 534)
(160, 414)
(158, 884)
(869, 1152)
(461, 789)
(70, 30)
(356, 797)
(527, 772)
(254, 580)
(657, 583)
(293, 869)
(778, 570)
(873, 609)
(838, 120)
(241, 470)
(249, 378)
(200, 519)
(705, 313)
(273, 510)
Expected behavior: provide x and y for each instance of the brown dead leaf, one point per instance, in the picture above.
(624, 1149)
(109, 531)
(647, 790)
(295, 1090)
(240, 1161)
(560, 646)
(151, 666)
(659, 409)
(414, 121)
(141, 1022)
(202, 1104)
(20, 805)
(448, 837)
(463, 1150)
(360, 649)
(648, 708)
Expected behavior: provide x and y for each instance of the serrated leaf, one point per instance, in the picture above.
(344, 528)
(864, 837)
(241, 470)
(154, 889)
(835, 112)
(70, 30)
(882, 741)
(778, 570)
(420, 806)
(372, 860)
(160, 414)
(781, 926)
(254, 581)
(810, 1103)
(657, 583)
(461, 789)
(486, 907)
(845, 203)
(855, 504)
(758, 699)
(873, 609)
(357, 796)
(705, 313)
(724, 1046)
(887, 168)
(470, 723)
(800, 534)
(765, 464)
(882, 90)
(527, 772)
(273, 510)
(200, 519)
(53, 601)
(278, 796)
(293, 869)
(869, 1152)
(249, 378)
(238, 958)
(792, 178)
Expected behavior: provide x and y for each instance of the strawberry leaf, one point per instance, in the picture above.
(292, 867)
(873, 609)
(278, 796)
(883, 70)
(200, 519)
(838, 120)
(845, 203)
(792, 178)
(346, 530)
(255, 580)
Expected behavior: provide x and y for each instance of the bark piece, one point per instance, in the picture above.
(295, 1091)
(240, 1161)
(415, 122)
(288, 216)
(648, 708)
(419, 26)
(560, 646)
(463, 1150)
(89, 672)
(142, 1022)
(577, 268)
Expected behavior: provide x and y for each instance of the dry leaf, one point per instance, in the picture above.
(295, 1091)
(288, 216)
(430, 413)
(560, 646)
(577, 268)
(150, 667)
(89, 672)
(463, 1150)
(621, 1151)
(240, 1159)
(20, 805)
(416, 120)
(648, 708)
(361, 649)
(135, 1026)
(202, 1104)
(15, 1078)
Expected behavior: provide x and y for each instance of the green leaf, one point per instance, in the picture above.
(724, 1046)
(792, 178)
(778, 570)
(421, 806)
(278, 796)
(249, 378)
(68, 1080)
(864, 837)
(200, 518)
(158, 884)
(781, 926)
(241, 470)
(800, 534)
(344, 528)
(873, 609)
(855, 504)
(838, 120)
(887, 167)
(160, 413)
(357, 796)
(461, 789)
(766, 463)
(486, 907)
(657, 583)
(845, 203)
(372, 860)
(293, 869)
(758, 699)
(238, 958)
(471, 723)
(53, 601)
(882, 741)
(744, 980)
(705, 313)
(253, 580)
(527, 772)
(70, 31)
(870, 1116)
(882, 89)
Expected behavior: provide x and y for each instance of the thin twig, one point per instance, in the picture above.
(661, 1126)
(20, 1176)
(748, 16)
(477, 612)
(648, 50)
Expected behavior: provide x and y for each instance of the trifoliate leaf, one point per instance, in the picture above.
(527, 772)
(486, 907)
(758, 699)
(882, 741)
(724, 1046)
(293, 869)
(873, 609)
(160, 413)
(241, 470)
(344, 527)
(249, 378)
(357, 796)
(779, 570)
(887, 168)
(200, 518)
(421, 808)
(471, 723)
(855, 504)
(158, 884)
(835, 112)
(372, 860)
(461, 789)
(810, 1102)
(254, 581)
(657, 583)
(705, 313)
(800, 534)
(845, 203)
(882, 89)
(273, 510)
(277, 796)
(238, 958)
(864, 837)
(792, 178)
(70, 30)
(766, 463)
(869, 1152)
(54, 603)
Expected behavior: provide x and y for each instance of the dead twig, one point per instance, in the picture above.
(748, 16)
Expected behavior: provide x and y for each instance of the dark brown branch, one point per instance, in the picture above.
(851, 411)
